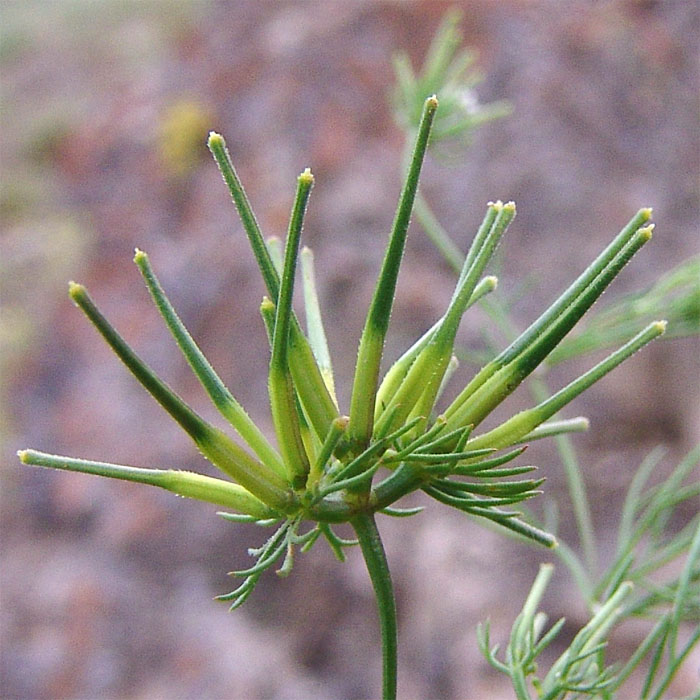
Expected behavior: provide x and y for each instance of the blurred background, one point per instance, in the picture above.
(107, 587)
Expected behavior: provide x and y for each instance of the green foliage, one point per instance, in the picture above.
(633, 585)
(448, 71)
(578, 670)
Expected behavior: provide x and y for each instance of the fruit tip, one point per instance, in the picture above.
(75, 290)
(215, 139)
(341, 422)
(306, 177)
(646, 232)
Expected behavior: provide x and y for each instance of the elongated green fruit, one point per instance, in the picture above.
(217, 390)
(372, 342)
(420, 386)
(557, 308)
(192, 423)
(474, 408)
(580, 284)
(396, 374)
(314, 322)
(183, 483)
(258, 478)
(217, 146)
(281, 386)
(268, 312)
(522, 423)
(314, 395)
(538, 350)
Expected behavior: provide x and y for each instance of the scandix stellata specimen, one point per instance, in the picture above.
(328, 467)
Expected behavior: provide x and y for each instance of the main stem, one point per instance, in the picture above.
(378, 568)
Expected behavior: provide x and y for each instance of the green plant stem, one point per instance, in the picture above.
(375, 559)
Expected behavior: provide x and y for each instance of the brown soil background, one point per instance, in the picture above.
(107, 587)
